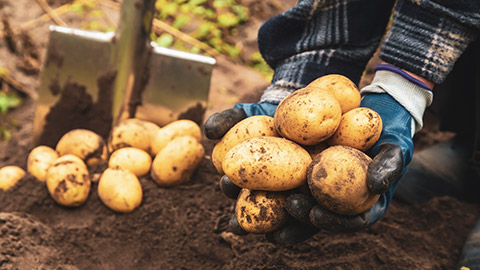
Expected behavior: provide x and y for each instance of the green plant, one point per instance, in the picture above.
(8, 101)
(206, 20)
(93, 18)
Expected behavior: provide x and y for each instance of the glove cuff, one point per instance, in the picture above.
(411, 93)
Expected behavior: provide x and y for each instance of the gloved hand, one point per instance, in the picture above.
(400, 100)
(219, 123)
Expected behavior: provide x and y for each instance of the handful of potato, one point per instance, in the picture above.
(318, 133)
(135, 148)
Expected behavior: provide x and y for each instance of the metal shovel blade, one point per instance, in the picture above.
(92, 80)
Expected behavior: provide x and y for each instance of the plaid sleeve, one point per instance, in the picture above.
(428, 36)
(315, 38)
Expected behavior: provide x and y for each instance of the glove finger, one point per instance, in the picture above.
(291, 233)
(228, 188)
(235, 226)
(219, 123)
(385, 168)
(299, 207)
(332, 222)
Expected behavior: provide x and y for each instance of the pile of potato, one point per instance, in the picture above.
(315, 142)
(134, 149)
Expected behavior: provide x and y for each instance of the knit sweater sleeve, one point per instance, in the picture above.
(319, 37)
(428, 36)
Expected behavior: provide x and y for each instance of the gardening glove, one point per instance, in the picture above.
(400, 100)
(219, 123)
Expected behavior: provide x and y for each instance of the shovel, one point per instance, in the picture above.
(93, 80)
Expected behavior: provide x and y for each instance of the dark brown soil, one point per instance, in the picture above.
(185, 227)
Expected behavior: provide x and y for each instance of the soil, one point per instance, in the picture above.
(186, 227)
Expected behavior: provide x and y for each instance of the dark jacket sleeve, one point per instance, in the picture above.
(428, 36)
(315, 38)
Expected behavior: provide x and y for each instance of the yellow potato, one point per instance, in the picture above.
(267, 163)
(176, 162)
(359, 128)
(9, 176)
(260, 211)
(68, 181)
(308, 116)
(85, 144)
(173, 130)
(337, 178)
(131, 159)
(39, 160)
(255, 126)
(132, 133)
(342, 88)
(120, 190)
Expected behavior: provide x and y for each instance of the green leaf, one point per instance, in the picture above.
(165, 40)
(241, 12)
(9, 101)
(77, 8)
(169, 9)
(210, 14)
(223, 3)
(228, 20)
(180, 21)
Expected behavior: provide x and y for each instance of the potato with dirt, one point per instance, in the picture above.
(342, 88)
(131, 159)
(260, 211)
(177, 161)
(308, 116)
(267, 163)
(132, 132)
(10, 175)
(85, 144)
(175, 129)
(337, 179)
(39, 160)
(359, 128)
(254, 126)
(120, 190)
(68, 181)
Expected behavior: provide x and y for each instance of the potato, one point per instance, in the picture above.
(258, 125)
(308, 116)
(267, 163)
(132, 133)
(39, 160)
(342, 88)
(120, 190)
(68, 181)
(9, 176)
(173, 130)
(359, 128)
(131, 159)
(260, 211)
(337, 178)
(176, 162)
(85, 144)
